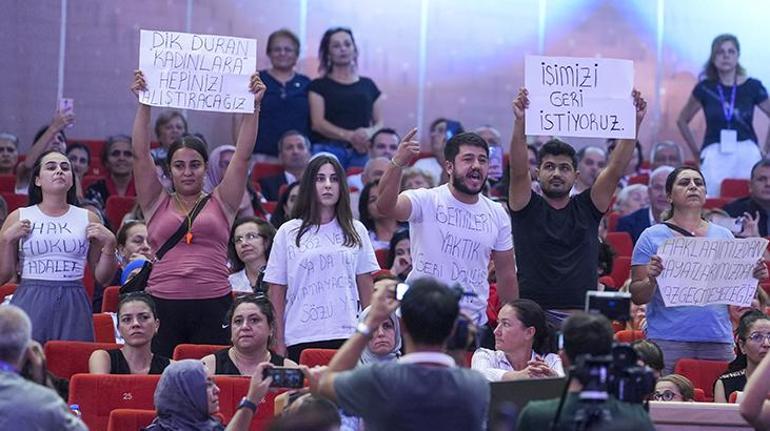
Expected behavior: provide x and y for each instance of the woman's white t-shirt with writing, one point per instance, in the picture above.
(320, 275)
(56, 247)
(453, 242)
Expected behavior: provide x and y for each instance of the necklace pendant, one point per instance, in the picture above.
(188, 237)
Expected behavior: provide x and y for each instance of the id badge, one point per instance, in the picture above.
(728, 141)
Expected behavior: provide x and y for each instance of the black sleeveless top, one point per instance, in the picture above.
(225, 365)
(734, 381)
(119, 365)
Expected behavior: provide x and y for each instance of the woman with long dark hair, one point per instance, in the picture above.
(380, 227)
(189, 284)
(285, 206)
(320, 265)
(345, 108)
(753, 342)
(523, 346)
(50, 241)
(700, 332)
(727, 96)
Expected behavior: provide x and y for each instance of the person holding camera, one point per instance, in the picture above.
(24, 404)
(585, 336)
(386, 395)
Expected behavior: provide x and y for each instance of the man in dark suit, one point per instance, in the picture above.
(294, 154)
(758, 201)
(636, 222)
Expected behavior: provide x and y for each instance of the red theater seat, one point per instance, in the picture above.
(712, 203)
(117, 207)
(14, 201)
(65, 358)
(313, 357)
(264, 170)
(382, 257)
(99, 394)
(195, 351)
(629, 335)
(110, 299)
(621, 270)
(621, 242)
(233, 389)
(7, 183)
(5, 290)
(612, 221)
(90, 179)
(732, 188)
(129, 419)
(104, 328)
(702, 373)
(643, 179)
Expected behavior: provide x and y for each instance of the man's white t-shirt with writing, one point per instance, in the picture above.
(56, 247)
(320, 275)
(453, 241)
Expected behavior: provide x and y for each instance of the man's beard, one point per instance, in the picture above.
(458, 184)
(553, 194)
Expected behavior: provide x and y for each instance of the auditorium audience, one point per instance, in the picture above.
(753, 343)
(699, 332)
(400, 254)
(169, 126)
(636, 222)
(381, 227)
(293, 154)
(216, 167)
(556, 228)
(441, 131)
(455, 231)
(283, 210)
(187, 398)
(118, 160)
(634, 167)
(384, 144)
(137, 323)
(727, 96)
(285, 104)
(385, 394)
(191, 308)
(9, 153)
(23, 403)
(674, 387)
(584, 334)
(631, 199)
(249, 248)
(49, 138)
(590, 163)
(51, 291)
(252, 323)
(345, 108)
(320, 265)
(666, 153)
(523, 344)
(758, 201)
(415, 178)
(80, 159)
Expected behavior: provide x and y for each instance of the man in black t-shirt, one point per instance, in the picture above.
(555, 235)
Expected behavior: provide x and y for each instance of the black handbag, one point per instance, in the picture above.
(138, 282)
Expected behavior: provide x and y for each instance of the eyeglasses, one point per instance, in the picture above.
(666, 395)
(125, 153)
(758, 337)
(248, 236)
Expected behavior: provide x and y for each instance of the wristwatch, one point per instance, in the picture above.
(364, 330)
(245, 403)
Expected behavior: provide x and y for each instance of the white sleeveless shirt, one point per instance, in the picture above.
(56, 247)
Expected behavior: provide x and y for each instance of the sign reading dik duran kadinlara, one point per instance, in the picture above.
(585, 97)
(197, 71)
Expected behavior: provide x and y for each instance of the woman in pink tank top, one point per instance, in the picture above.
(189, 284)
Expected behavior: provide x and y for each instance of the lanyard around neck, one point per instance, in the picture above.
(727, 109)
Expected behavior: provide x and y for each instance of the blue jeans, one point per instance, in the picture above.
(346, 155)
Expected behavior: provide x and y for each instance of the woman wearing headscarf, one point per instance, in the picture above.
(219, 159)
(186, 398)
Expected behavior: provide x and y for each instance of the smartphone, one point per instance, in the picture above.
(735, 224)
(401, 289)
(66, 106)
(285, 377)
(495, 162)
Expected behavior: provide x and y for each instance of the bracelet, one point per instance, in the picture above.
(393, 162)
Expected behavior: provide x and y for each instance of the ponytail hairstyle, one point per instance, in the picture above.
(532, 315)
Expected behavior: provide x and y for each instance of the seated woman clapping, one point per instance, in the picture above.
(522, 345)
(137, 324)
(252, 322)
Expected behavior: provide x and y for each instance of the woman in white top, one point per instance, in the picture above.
(522, 344)
(50, 241)
(320, 265)
(250, 241)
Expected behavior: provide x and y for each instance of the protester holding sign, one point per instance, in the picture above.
(320, 264)
(455, 230)
(189, 284)
(345, 108)
(50, 241)
(556, 235)
(728, 97)
(701, 332)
